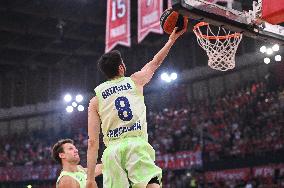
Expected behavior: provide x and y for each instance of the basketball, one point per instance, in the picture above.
(171, 19)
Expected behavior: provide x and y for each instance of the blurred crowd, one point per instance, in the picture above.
(195, 179)
(244, 122)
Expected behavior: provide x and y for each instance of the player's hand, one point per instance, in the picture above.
(91, 184)
(175, 35)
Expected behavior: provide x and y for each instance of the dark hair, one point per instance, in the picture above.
(57, 148)
(109, 63)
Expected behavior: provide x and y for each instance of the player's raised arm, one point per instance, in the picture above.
(144, 76)
(93, 142)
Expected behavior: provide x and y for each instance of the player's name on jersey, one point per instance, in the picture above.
(108, 92)
(115, 133)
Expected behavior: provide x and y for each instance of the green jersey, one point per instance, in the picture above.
(80, 176)
(121, 109)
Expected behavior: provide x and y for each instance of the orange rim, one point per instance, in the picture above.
(201, 24)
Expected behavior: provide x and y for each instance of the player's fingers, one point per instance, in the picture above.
(174, 31)
(181, 32)
(173, 34)
(184, 30)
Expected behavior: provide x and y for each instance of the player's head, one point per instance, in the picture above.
(111, 64)
(64, 150)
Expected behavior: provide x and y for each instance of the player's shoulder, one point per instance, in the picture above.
(81, 168)
(67, 182)
(93, 101)
(100, 86)
(138, 78)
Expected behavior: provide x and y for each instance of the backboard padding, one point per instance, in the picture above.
(273, 11)
(231, 19)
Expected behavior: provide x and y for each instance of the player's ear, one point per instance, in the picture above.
(61, 155)
(120, 67)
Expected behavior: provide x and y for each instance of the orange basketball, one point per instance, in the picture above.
(171, 19)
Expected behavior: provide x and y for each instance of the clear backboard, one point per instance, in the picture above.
(250, 23)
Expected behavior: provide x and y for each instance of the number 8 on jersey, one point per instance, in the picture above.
(123, 108)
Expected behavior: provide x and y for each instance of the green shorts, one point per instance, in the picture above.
(129, 162)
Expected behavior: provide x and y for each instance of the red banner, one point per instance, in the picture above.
(41, 172)
(244, 173)
(169, 3)
(232, 174)
(272, 11)
(179, 160)
(267, 171)
(117, 24)
(149, 13)
(264, 171)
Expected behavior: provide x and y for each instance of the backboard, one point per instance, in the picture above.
(249, 23)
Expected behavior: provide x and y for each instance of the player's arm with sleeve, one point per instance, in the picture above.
(142, 77)
(93, 142)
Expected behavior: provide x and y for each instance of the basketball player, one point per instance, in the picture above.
(119, 106)
(72, 175)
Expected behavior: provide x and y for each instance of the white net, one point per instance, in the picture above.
(221, 50)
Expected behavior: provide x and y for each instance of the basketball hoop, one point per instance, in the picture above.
(221, 47)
